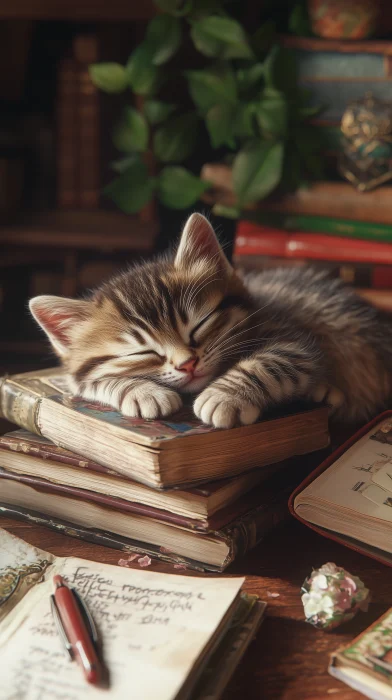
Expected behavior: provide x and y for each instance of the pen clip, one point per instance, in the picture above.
(60, 628)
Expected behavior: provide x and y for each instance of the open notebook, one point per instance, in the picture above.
(163, 636)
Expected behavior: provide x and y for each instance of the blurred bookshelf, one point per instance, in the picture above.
(58, 233)
(74, 10)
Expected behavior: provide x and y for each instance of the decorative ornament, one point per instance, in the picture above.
(366, 160)
(331, 596)
(343, 19)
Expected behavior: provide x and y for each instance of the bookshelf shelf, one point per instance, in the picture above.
(81, 230)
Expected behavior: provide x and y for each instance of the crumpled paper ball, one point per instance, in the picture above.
(331, 596)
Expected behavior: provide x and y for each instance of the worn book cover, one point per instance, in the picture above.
(366, 663)
(36, 461)
(211, 545)
(179, 450)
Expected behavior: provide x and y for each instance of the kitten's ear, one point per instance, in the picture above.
(199, 242)
(57, 316)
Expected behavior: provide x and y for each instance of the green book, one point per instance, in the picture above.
(323, 224)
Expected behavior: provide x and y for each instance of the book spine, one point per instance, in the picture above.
(324, 224)
(115, 504)
(336, 78)
(247, 532)
(382, 299)
(260, 240)
(86, 52)
(67, 160)
(318, 200)
(19, 405)
(372, 277)
(102, 537)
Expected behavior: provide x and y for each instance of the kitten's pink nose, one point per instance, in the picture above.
(188, 366)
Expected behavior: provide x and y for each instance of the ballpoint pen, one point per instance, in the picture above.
(76, 629)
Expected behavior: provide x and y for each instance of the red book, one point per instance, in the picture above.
(253, 239)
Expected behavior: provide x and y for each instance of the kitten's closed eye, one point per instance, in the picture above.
(144, 353)
(192, 339)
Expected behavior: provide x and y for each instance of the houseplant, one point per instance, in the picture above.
(246, 96)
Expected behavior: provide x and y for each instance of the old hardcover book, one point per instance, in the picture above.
(320, 199)
(112, 522)
(332, 226)
(85, 48)
(338, 72)
(67, 159)
(365, 664)
(176, 451)
(349, 497)
(255, 239)
(262, 247)
(166, 636)
(32, 456)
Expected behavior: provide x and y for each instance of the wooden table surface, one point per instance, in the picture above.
(289, 658)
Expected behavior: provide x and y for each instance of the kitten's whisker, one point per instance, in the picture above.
(237, 324)
(236, 335)
(238, 347)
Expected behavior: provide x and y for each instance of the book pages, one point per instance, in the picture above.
(154, 628)
(349, 482)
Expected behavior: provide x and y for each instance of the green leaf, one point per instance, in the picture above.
(178, 8)
(225, 211)
(257, 171)
(133, 189)
(220, 36)
(219, 122)
(272, 113)
(179, 189)
(244, 121)
(122, 164)
(209, 87)
(131, 133)
(143, 76)
(157, 112)
(163, 38)
(280, 70)
(176, 140)
(109, 77)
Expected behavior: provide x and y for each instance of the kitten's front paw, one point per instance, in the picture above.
(150, 400)
(222, 410)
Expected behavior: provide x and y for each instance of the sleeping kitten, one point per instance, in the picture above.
(188, 323)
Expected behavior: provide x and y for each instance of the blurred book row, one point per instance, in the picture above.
(298, 229)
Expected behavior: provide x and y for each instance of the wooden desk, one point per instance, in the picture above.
(288, 659)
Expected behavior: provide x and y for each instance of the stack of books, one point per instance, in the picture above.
(328, 225)
(357, 252)
(174, 489)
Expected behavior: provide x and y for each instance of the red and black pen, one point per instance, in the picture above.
(76, 628)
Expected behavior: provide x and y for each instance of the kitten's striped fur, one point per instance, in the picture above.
(188, 323)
